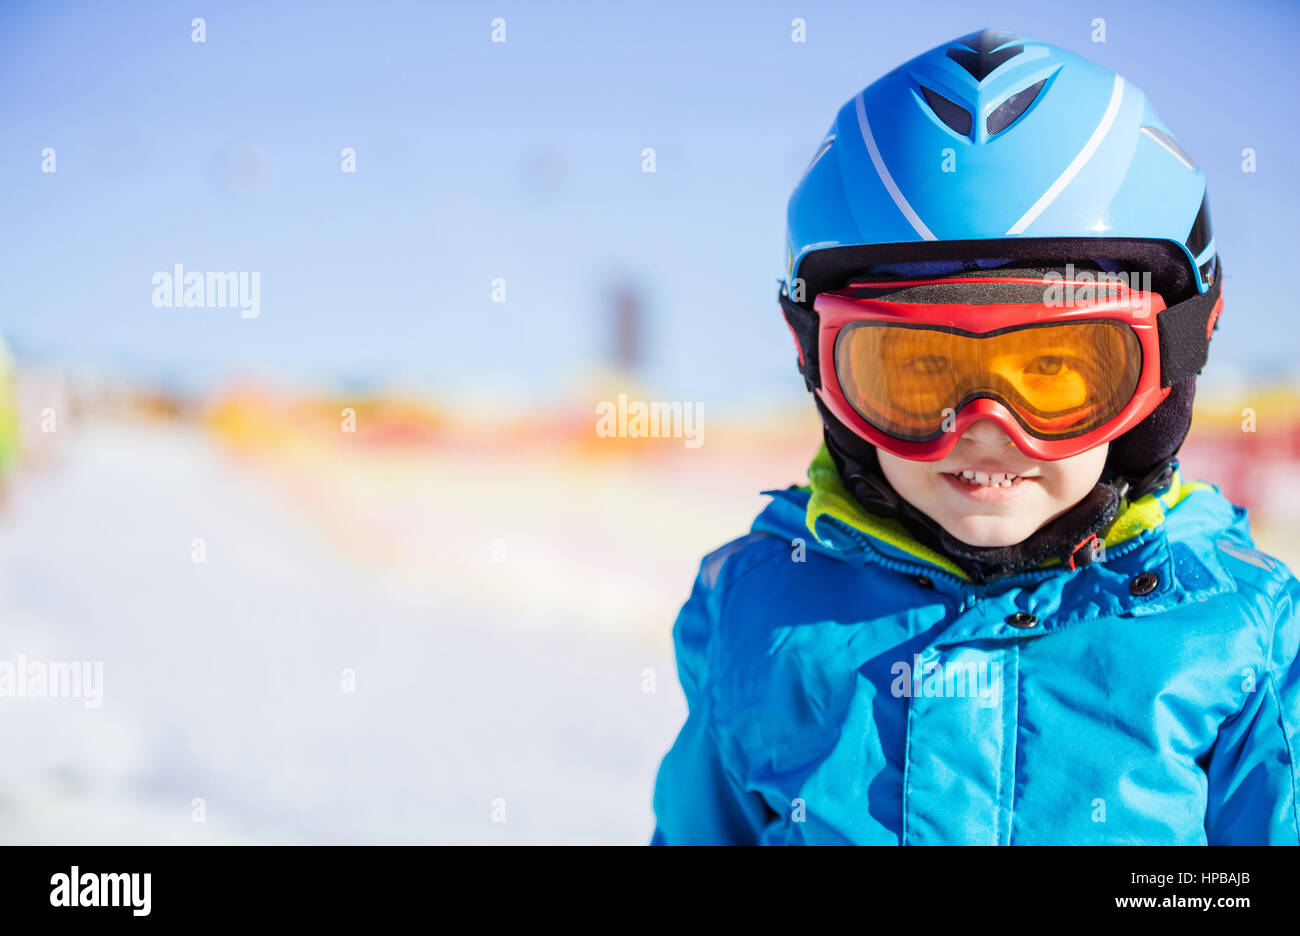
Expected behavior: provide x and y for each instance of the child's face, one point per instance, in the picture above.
(993, 514)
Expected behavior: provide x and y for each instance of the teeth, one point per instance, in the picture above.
(984, 479)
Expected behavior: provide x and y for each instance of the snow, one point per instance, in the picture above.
(224, 679)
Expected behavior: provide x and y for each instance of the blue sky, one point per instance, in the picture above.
(522, 160)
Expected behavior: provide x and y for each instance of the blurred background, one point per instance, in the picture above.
(359, 566)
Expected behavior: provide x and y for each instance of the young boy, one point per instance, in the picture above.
(997, 614)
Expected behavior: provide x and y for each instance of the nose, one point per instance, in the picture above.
(987, 432)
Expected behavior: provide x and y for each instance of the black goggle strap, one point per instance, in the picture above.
(1182, 329)
(803, 322)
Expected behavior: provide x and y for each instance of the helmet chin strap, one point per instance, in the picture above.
(1074, 537)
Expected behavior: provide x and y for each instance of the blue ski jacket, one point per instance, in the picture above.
(846, 684)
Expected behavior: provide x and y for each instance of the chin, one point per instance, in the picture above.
(989, 531)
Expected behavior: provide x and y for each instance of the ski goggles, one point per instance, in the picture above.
(1058, 377)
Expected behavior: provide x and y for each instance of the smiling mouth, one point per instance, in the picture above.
(981, 479)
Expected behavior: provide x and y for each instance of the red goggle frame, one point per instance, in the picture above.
(1135, 309)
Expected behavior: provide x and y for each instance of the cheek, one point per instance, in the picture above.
(909, 478)
(1074, 477)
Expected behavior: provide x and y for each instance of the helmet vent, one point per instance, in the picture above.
(1199, 236)
(1006, 113)
(981, 55)
(954, 116)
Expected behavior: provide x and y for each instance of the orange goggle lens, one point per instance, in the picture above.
(1060, 380)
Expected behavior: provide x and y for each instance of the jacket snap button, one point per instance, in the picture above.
(1023, 619)
(1144, 583)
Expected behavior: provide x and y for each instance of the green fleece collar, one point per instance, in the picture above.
(829, 498)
